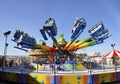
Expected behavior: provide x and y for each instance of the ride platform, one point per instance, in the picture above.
(63, 78)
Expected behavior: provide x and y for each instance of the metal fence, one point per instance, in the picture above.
(82, 65)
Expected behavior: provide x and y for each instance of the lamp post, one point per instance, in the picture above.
(5, 49)
(113, 45)
(113, 58)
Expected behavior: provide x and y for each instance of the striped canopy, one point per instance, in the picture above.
(114, 53)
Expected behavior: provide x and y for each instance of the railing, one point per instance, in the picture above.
(26, 64)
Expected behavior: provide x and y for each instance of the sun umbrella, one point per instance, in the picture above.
(113, 53)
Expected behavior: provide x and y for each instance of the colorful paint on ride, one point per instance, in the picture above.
(37, 78)
(25, 42)
(77, 30)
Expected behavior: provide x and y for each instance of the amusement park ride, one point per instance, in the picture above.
(60, 48)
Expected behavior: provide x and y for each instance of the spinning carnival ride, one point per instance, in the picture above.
(60, 48)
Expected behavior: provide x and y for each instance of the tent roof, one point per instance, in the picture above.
(113, 53)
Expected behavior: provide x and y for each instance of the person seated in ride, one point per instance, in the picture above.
(49, 23)
(51, 26)
(78, 28)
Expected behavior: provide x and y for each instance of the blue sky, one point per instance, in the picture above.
(30, 15)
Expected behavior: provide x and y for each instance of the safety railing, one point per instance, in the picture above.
(86, 65)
